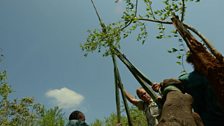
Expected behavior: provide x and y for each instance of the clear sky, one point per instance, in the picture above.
(40, 40)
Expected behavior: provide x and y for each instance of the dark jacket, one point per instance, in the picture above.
(205, 102)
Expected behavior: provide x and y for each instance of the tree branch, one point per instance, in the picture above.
(156, 21)
(183, 11)
(214, 52)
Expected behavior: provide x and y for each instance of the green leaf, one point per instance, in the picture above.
(179, 63)
(179, 57)
(174, 50)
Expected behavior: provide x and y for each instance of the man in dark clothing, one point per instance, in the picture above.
(205, 102)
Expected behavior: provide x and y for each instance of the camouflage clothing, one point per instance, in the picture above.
(151, 111)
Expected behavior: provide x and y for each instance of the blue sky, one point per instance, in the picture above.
(40, 40)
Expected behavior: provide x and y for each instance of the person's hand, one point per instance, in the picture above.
(156, 87)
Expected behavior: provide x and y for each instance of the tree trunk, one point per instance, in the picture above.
(204, 62)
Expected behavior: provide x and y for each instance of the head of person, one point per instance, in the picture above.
(77, 115)
(142, 94)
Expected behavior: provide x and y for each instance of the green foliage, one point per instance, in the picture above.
(111, 34)
(137, 116)
(112, 120)
(15, 112)
(141, 36)
(102, 39)
(52, 117)
(97, 122)
(25, 111)
(5, 90)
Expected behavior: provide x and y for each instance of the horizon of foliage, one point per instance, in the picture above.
(138, 119)
(25, 111)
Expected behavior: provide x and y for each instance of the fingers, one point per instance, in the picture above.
(156, 87)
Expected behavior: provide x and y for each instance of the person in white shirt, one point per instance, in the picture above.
(146, 104)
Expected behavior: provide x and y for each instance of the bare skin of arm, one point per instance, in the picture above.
(133, 100)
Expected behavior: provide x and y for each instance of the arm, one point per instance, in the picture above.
(138, 103)
(131, 98)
